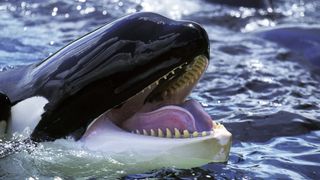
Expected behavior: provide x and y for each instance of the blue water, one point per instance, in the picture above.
(266, 99)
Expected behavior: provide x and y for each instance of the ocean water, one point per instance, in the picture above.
(266, 98)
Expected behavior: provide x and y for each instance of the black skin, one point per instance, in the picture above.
(303, 41)
(5, 106)
(103, 69)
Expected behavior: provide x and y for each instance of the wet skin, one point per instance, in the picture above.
(302, 42)
(258, 4)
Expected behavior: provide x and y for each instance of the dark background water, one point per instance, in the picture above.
(267, 99)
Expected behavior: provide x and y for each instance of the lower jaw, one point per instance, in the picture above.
(104, 136)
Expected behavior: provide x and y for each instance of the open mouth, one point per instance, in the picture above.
(161, 109)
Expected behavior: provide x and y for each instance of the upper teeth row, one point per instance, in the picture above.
(166, 76)
(168, 134)
(192, 74)
(197, 67)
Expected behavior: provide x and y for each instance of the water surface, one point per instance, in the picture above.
(267, 99)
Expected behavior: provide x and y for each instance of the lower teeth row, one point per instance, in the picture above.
(176, 134)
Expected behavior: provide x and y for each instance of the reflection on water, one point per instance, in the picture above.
(268, 101)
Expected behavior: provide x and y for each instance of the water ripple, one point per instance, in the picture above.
(261, 91)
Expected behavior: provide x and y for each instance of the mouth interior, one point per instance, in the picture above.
(162, 109)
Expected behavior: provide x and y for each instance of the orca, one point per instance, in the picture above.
(302, 41)
(258, 4)
(122, 85)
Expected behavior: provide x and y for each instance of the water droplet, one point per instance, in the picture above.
(79, 7)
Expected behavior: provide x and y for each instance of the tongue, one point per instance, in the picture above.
(202, 119)
(186, 116)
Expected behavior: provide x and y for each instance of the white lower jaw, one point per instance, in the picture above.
(154, 152)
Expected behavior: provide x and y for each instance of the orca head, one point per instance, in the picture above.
(158, 122)
(144, 58)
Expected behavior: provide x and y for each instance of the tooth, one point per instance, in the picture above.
(192, 73)
(177, 133)
(168, 133)
(165, 77)
(157, 83)
(175, 86)
(145, 132)
(160, 133)
(202, 62)
(214, 124)
(165, 93)
(172, 72)
(137, 131)
(204, 133)
(171, 91)
(179, 83)
(152, 132)
(195, 134)
(198, 66)
(183, 80)
(186, 134)
(188, 76)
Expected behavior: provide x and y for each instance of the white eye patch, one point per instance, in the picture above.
(26, 113)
